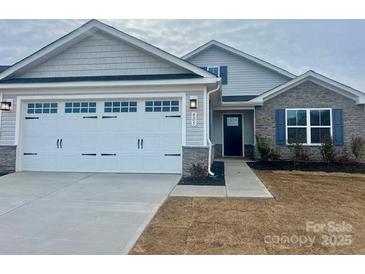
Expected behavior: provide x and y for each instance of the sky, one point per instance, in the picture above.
(334, 48)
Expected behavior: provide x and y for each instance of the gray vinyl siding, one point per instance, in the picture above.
(195, 134)
(100, 55)
(248, 126)
(244, 76)
(8, 120)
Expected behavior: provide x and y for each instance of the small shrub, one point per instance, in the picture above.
(263, 146)
(198, 172)
(328, 151)
(358, 147)
(298, 153)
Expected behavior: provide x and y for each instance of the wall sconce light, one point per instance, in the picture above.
(6, 106)
(193, 102)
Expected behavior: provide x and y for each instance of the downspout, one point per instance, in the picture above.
(208, 127)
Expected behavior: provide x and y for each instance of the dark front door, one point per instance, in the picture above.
(232, 127)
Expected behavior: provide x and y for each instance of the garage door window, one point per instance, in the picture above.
(164, 106)
(39, 108)
(120, 106)
(80, 107)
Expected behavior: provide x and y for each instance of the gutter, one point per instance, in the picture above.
(208, 127)
(109, 84)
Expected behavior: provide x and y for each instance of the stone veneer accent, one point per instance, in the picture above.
(194, 155)
(7, 159)
(309, 95)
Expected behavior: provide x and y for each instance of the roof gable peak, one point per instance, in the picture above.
(240, 54)
(85, 30)
(318, 79)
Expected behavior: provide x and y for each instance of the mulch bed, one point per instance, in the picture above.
(308, 166)
(216, 180)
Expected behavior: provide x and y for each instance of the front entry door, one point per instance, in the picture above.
(232, 127)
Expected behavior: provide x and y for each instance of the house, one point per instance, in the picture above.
(100, 100)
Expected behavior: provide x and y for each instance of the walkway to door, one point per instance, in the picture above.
(241, 181)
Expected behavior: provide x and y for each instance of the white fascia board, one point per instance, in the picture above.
(242, 54)
(241, 104)
(94, 24)
(361, 100)
(245, 107)
(195, 81)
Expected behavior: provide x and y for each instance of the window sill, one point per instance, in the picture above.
(306, 145)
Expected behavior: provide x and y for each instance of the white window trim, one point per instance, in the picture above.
(215, 67)
(308, 126)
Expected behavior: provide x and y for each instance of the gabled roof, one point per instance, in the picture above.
(239, 53)
(93, 25)
(317, 78)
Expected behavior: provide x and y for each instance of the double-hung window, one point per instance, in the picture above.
(221, 71)
(308, 126)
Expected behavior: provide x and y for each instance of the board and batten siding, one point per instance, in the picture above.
(101, 55)
(7, 126)
(244, 76)
(194, 134)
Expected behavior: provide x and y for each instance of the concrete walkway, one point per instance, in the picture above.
(241, 181)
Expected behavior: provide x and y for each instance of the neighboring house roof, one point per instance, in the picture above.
(239, 53)
(92, 25)
(317, 78)
(2, 68)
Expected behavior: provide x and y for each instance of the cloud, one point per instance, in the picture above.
(331, 47)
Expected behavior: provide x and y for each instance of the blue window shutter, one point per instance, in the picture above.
(224, 75)
(337, 124)
(280, 127)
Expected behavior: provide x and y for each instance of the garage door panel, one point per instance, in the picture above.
(116, 143)
(120, 122)
(42, 161)
(79, 123)
(103, 142)
(158, 162)
(39, 124)
(37, 143)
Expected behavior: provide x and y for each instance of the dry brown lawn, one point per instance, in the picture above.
(258, 226)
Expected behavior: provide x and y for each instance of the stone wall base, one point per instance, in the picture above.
(7, 159)
(194, 155)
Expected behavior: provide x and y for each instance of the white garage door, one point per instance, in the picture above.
(102, 136)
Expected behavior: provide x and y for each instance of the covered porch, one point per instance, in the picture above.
(232, 128)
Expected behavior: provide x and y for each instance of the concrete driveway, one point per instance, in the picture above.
(77, 213)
